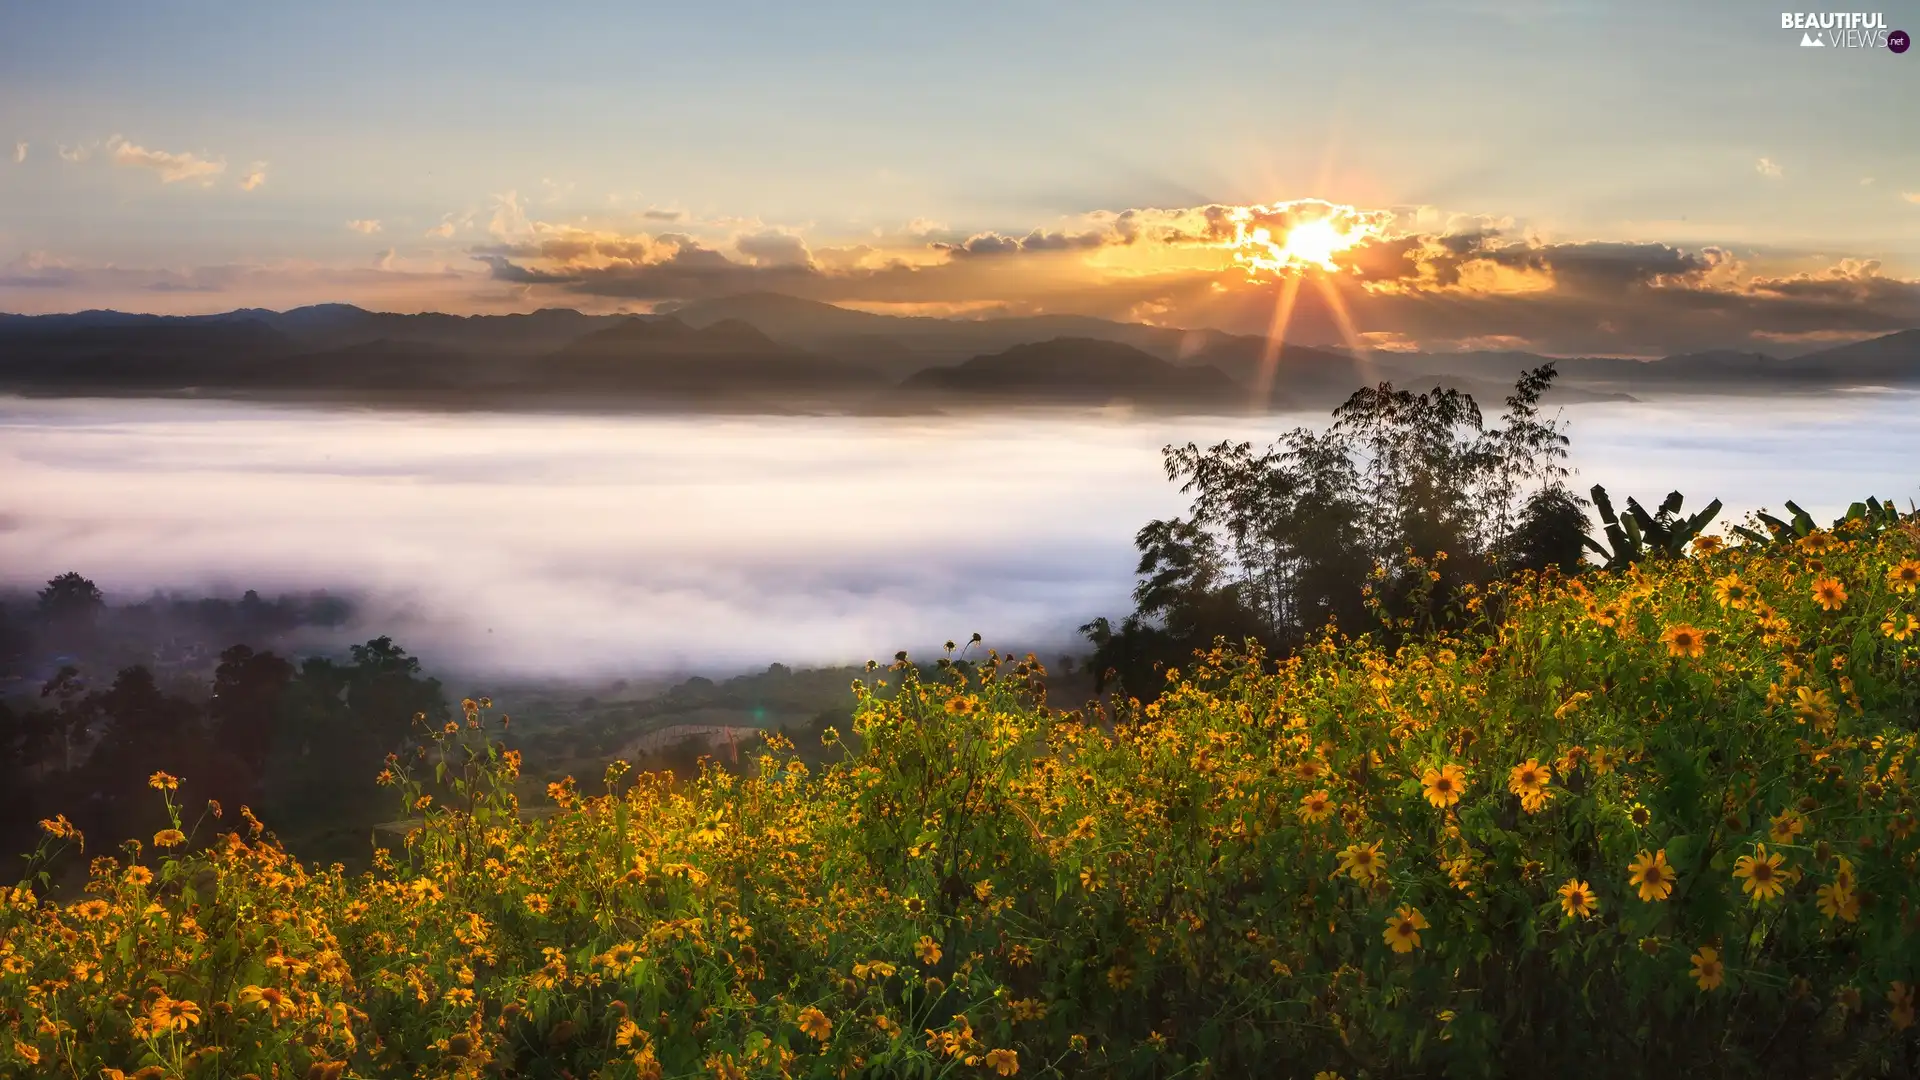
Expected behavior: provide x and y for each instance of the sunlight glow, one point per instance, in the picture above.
(1298, 236)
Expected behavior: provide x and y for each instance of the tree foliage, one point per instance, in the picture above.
(1403, 505)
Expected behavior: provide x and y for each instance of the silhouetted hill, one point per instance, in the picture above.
(1074, 371)
(760, 349)
(1893, 358)
(727, 361)
(919, 341)
(71, 355)
(1301, 376)
(319, 327)
(373, 366)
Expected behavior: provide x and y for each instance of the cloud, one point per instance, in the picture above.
(772, 247)
(256, 175)
(74, 154)
(653, 213)
(1415, 278)
(990, 243)
(1767, 167)
(19, 152)
(364, 226)
(171, 167)
(1911, 196)
(509, 217)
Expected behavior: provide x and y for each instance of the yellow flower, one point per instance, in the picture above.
(460, 996)
(537, 903)
(814, 1023)
(1732, 592)
(1650, 873)
(1315, 807)
(1837, 901)
(1004, 1062)
(1899, 628)
(169, 838)
(1577, 899)
(1904, 577)
(928, 950)
(627, 1033)
(271, 1000)
(1843, 873)
(1403, 929)
(167, 1014)
(163, 782)
(1362, 861)
(1708, 970)
(1529, 780)
(1444, 785)
(1813, 705)
(1684, 640)
(1708, 545)
(1760, 874)
(620, 958)
(1786, 825)
(1830, 594)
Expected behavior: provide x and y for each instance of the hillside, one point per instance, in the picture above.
(765, 351)
(1691, 801)
(1074, 371)
(726, 361)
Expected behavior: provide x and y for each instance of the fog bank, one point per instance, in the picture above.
(522, 545)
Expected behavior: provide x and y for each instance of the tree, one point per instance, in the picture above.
(69, 608)
(1551, 532)
(1406, 500)
(248, 690)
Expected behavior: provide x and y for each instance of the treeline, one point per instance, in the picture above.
(1391, 519)
(299, 743)
(70, 621)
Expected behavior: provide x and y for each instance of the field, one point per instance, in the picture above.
(1634, 822)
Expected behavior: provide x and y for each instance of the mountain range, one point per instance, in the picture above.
(767, 352)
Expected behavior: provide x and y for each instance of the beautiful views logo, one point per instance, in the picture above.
(1844, 30)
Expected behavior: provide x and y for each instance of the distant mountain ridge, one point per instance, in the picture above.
(1074, 371)
(765, 351)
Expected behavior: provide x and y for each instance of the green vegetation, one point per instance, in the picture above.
(1407, 503)
(1660, 819)
(1457, 804)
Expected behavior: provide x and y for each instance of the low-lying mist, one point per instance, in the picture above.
(586, 546)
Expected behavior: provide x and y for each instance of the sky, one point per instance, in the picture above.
(1620, 178)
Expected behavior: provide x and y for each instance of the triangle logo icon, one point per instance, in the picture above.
(1808, 41)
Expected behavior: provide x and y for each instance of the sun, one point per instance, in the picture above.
(1316, 242)
(1297, 236)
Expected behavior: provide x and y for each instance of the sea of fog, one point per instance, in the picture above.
(545, 545)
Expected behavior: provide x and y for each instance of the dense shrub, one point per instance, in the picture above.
(1646, 821)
